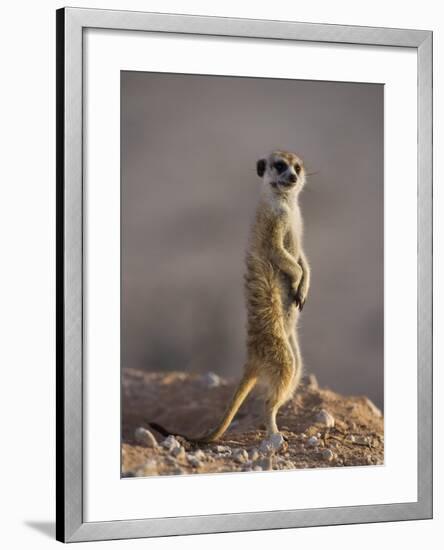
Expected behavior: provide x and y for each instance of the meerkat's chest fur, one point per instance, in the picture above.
(289, 211)
(293, 235)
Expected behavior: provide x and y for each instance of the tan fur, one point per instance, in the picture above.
(277, 281)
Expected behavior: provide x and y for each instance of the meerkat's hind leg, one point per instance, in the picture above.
(298, 365)
(281, 376)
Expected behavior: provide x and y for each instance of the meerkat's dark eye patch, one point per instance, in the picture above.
(260, 167)
(297, 168)
(280, 166)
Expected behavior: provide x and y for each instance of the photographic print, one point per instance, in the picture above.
(252, 274)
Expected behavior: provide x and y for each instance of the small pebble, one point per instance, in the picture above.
(211, 380)
(170, 443)
(327, 455)
(254, 454)
(199, 454)
(325, 418)
(312, 441)
(193, 461)
(369, 459)
(178, 471)
(178, 452)
(145, 437)
(240, 455)
(257, 468)
(222, 449)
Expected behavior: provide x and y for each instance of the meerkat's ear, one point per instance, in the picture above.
(260, 167)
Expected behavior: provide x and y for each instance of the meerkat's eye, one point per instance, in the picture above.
(280, 166)
(297, 168)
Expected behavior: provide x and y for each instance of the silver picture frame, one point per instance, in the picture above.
(70, 25)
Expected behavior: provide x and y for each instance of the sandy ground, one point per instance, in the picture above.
(320, 427)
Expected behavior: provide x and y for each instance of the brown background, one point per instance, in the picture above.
(189, 189)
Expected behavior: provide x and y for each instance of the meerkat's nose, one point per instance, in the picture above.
(292, 178)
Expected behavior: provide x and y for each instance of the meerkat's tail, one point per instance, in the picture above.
(244, 388)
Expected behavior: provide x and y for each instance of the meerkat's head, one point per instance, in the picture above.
(282, 171)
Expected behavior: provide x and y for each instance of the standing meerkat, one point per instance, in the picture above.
(277, 281)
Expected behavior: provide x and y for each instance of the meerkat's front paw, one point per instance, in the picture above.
(299, 298)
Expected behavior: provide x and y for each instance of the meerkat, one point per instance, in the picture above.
(277, 282)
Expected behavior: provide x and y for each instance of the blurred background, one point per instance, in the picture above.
(189, 189)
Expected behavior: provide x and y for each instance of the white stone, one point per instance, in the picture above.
(145, 437)
(312, 441)
(221, 449)
(193, 461)
(325, 418)
(170, 443)
(211, 380)
(240, 455)
(199, 454)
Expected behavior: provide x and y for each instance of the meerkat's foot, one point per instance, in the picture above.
(274, 443)
(276, 433)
